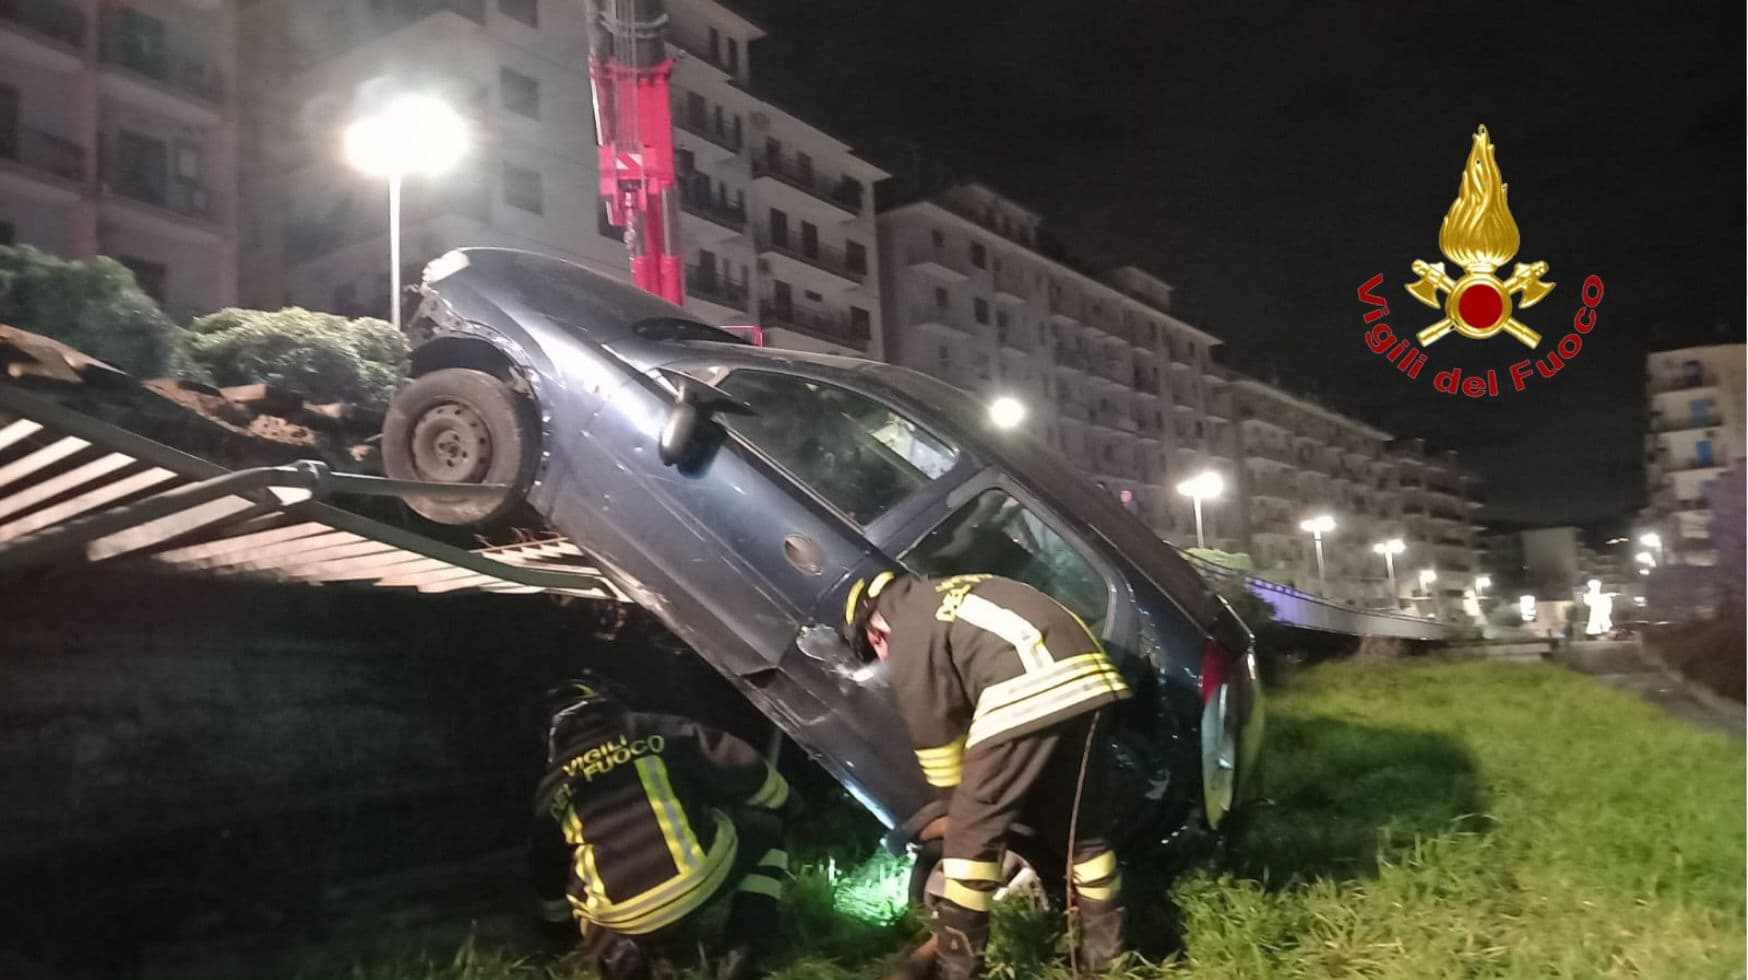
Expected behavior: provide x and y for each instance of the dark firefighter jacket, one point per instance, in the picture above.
(978, 659)
(637, 798)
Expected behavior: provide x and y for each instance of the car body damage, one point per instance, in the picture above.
(794, 474)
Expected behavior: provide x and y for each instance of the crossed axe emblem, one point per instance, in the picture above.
(1479, 305)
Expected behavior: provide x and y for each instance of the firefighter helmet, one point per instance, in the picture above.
(859, 607)
(581, 695)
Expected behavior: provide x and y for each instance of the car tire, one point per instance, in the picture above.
(459, 425)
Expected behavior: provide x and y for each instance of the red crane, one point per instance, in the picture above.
(628, 70)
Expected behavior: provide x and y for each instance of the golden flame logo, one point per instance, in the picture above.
(1479, 234)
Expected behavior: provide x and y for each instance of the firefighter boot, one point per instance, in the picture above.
(961, 935)
(1101, 934)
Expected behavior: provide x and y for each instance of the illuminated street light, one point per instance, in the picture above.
(1644, 558)
(1206, 485)
(1006, 412)
(1390, 549)
(1526, 608)
(1483, 583)
(1427, 577)
(414, 134)
(1319, 526)
(1651, 539)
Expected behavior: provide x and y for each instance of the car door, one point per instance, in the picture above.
(839, 466)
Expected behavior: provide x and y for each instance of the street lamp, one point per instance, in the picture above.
(1319, 526)
(413, 134)
(1651, 539)
(1007, 412)
(1483, 583)
(1390, 549)
(1206, 485)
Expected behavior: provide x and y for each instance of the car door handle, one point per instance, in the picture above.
(803, 552)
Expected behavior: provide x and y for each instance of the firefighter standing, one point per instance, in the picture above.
(999, 686)
(655, 815)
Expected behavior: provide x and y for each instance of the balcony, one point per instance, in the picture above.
(845, 194)
(57, 21)
(1072, 408)
(925, 314)
(1071, 358)
(1010, 286)
(1064, 309)
(724, 138)
(185, 73)
(1684, 380)
(1683, 423)
(695, 200)
(712, 287)
(934, 261)
(820, 257)
(822, 324)
(44, 153)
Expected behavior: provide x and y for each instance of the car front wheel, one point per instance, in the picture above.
(458, 425)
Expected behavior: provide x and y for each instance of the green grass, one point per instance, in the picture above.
(1430, 819)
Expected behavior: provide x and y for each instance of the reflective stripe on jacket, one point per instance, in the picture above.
(637, 797)
(976, 659)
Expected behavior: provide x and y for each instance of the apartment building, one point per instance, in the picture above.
(1695, 431)
(777, 219)
(1112, 380)
(1300, 460)
(1439, 498)
(118, 136)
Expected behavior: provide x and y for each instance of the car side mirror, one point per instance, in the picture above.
(695, 402)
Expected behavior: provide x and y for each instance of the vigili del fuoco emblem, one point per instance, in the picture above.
(1479, 235)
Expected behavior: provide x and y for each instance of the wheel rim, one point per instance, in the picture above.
(1219, 754)
(451, 444)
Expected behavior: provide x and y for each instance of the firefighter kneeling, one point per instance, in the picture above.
(655, 815)
(1000, 687)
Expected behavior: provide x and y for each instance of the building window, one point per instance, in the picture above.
(979, 257)
(804, 167)
(779, 229)
(151, 276)
(861, 326)
(8, 233)
(781, 299)
(522, 189)
(733, 56)
(856, 257)
(812, 297)
(773, 152)
(809, 239)
(945, 356)
(1001, 320)
(980, 309)
(938, 238)
(715, 45)
(520, 93)
(940, 298)
(526, 11)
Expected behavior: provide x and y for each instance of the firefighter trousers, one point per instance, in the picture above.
(1030, 782)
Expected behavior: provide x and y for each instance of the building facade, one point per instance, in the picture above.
(1110, 379)
(1695, 431)
(118, 137)
(776, 218)
(1132, 396)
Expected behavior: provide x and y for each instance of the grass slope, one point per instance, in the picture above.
(1431, 820)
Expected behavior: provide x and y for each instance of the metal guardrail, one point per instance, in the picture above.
(1306, 611)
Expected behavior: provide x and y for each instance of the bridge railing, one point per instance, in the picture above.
(1302, 609)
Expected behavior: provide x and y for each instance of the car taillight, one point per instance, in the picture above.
(1216, 667)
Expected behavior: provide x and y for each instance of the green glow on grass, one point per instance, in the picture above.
(877, 891)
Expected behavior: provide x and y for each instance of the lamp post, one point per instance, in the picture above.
(1390, 549)
(1206, 485)
(1319, 526)
(412, 134)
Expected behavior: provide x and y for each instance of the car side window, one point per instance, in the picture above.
(858, 454)
(995, 534)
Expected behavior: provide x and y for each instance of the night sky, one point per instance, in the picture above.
(1267, 158)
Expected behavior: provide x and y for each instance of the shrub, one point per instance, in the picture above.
(319, 355)
(92, 305)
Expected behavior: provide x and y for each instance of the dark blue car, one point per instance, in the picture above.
(736, 492)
